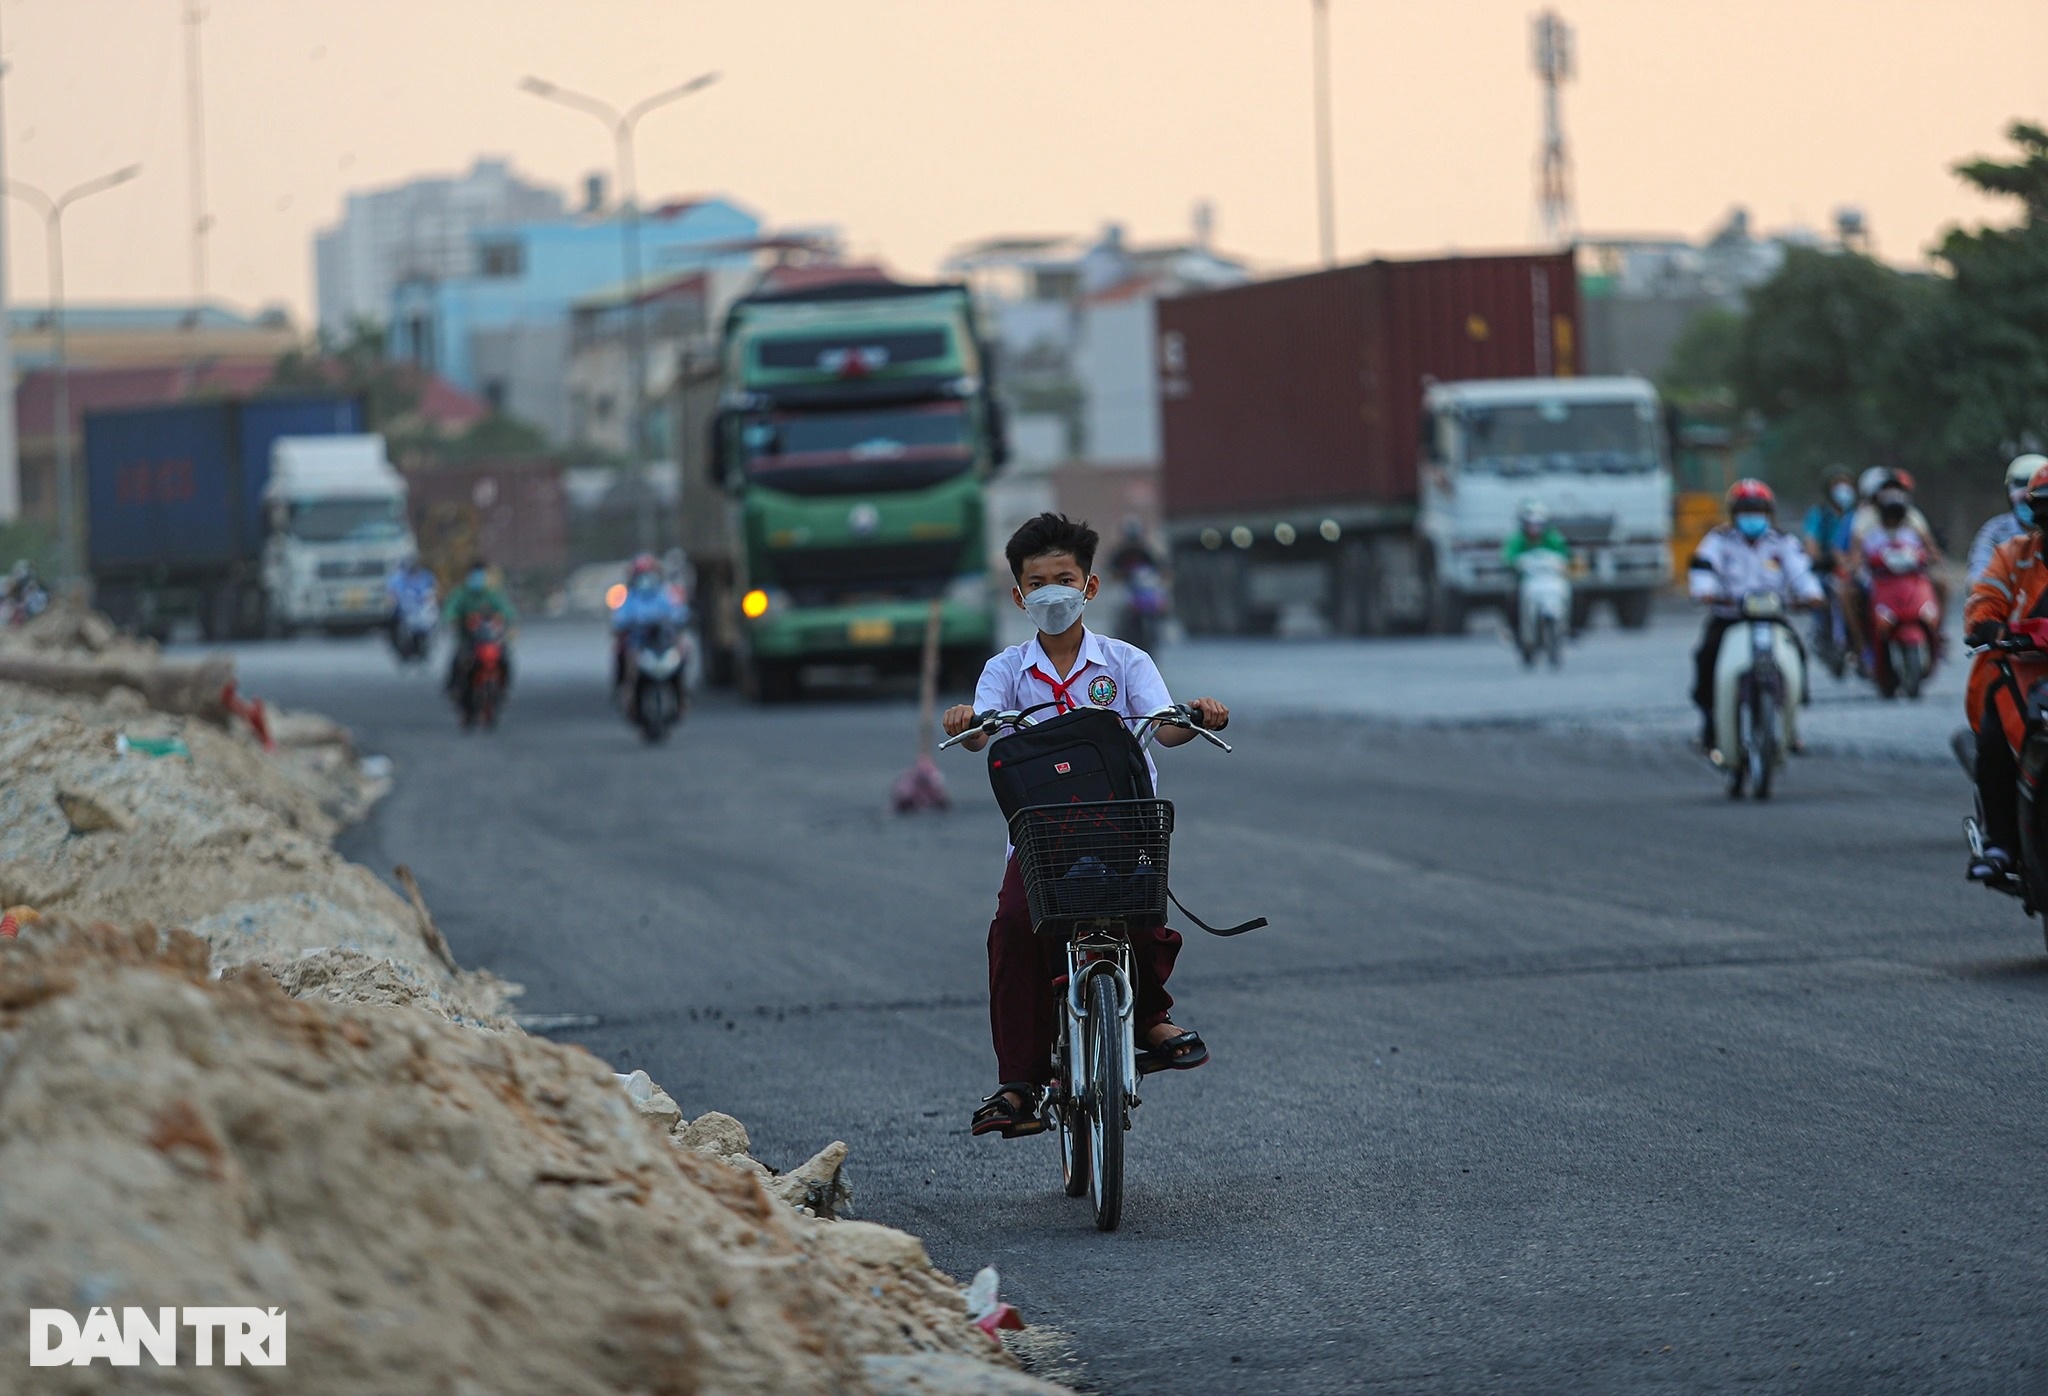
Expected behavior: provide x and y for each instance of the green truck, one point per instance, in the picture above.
(854, 435)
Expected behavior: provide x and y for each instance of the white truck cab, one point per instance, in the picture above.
(1590, 449)
(337, 525)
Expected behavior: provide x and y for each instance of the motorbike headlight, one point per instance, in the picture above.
(969, 590)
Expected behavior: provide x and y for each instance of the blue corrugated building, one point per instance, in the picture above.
(504, 333)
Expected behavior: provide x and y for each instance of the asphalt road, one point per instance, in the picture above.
(1557, 1071)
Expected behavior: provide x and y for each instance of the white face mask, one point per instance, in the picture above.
(1055, 609)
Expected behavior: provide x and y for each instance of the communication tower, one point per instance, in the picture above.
(1553, 53)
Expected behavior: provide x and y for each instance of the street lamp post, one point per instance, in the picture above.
(53, 224)
(621, 125)
(1326, 213)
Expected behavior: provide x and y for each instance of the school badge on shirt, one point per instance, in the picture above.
(1102, 691)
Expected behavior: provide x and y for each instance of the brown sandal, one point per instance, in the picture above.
(1013, 1120)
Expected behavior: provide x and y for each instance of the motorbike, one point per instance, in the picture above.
(1759, 683)
(24, 601)
(483, 692)
(659, 653)
(413, 622)
(2028, 882)
(1145, 607)
(1905, 618)
(1544, 606)
(1830, 639)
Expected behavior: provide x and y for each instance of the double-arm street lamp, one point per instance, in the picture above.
(621, 124)
(53, 225)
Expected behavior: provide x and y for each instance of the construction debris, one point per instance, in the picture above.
(296, 1099)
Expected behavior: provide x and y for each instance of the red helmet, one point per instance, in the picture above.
(641, 566)
(1747, 496)
(2037, 496)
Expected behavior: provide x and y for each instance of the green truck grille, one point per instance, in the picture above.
(827, 576)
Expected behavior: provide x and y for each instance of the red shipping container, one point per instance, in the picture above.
(513, 512)
(1307, 390)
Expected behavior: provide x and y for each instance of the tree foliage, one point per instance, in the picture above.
(1850, 361)
(1817, 355)
(354, 362)
(1980, 362)
(1702, 363)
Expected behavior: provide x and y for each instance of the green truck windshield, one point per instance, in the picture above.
(850, 452)
(1611, 438)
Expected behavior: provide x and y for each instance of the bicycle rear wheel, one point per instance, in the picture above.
(1108, 1037)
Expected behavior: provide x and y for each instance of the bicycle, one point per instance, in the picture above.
(1093, 870)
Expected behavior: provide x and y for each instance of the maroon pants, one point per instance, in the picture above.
(1022, 965)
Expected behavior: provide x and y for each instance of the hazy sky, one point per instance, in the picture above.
(916, 125)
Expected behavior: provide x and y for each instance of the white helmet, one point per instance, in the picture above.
(1534, 514)
(2022, 470)
(1871, 481)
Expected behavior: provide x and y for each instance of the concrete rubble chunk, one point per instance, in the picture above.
(716, 1134)
(651, 1100)
(90, 813)
(871, 1243)
(816, 1183)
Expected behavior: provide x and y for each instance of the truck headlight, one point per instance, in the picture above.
(762, 602)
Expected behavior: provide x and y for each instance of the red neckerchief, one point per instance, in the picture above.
(1063, 701)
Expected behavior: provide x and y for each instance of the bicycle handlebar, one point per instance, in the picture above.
(1178, 715)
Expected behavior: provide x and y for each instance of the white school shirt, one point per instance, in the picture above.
(1728, 567)
(1107, 673)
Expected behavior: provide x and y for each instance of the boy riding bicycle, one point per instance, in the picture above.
(1052, 560)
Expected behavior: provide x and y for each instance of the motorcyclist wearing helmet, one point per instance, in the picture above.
(1872, 483)
(475, 598)
(1853, 572)
(650, 599)
(1742, 557)
(24, 597)
(1838, 497)
(1533, 531)
(2014, 587)
(1132, 553)
(410, 582)
(2003, 528)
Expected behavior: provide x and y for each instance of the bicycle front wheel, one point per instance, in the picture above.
(1070, 1114)
(1108, 1046)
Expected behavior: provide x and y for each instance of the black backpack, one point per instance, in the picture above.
(1085, 755)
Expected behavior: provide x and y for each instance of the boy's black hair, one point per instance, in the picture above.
(1051, 533)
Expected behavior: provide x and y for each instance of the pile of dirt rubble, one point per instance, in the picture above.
(296, 1100)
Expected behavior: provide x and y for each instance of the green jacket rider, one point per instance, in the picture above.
(476, 596)
(1521, 541)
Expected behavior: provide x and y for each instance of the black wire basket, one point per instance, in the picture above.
(1092, 862)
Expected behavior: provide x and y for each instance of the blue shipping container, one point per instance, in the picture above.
(182, 487)
(266, 419)
(159, 487)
